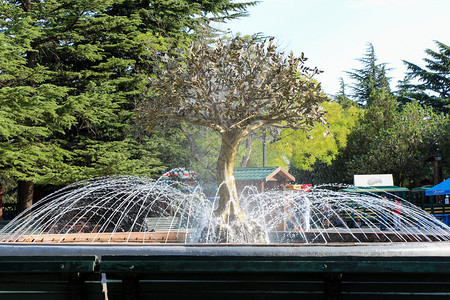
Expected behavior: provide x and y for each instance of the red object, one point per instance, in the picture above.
(398, 207)
(299, 187)
(182, 174)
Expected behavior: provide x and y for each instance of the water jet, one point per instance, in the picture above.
(128, 209)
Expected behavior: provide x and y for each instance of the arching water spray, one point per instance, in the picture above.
(129, 209)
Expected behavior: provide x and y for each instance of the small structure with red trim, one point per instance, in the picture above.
(265, 178)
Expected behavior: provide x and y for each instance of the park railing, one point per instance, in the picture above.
(50, 277)
(223, 277)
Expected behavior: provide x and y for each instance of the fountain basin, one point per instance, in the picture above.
(422, 249)
(211, 271)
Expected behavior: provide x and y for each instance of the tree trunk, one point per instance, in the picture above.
(232, 225)
(225, 168)
(191, 143)
(27, 5)
(25, 195)
(1, 200)
(248, 145)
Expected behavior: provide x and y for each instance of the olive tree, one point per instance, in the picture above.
(235, 87)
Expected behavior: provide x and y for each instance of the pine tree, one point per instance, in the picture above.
(342, 97)
(372, 77)
(433, 87)
(32, 109)
(71, 73)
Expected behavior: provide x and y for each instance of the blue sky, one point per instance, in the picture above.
(333, 34)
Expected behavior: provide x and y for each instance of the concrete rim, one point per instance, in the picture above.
(428, 249)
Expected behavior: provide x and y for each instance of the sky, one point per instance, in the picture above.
(334, 34)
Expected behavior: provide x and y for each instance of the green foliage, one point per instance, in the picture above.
(71, 74)
(251, 155)
(238, 84)
(388, 138)
(204, 148)
(342, 97)
(404, 147)
(397, 139)
(300, 149)
(380, 115)
(176, 20)
(372, 77)
(433, 87)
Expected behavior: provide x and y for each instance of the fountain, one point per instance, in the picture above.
(141, 211)
(150, 237)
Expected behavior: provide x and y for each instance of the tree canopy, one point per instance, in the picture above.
(71, 73)
(236, 84)
(393, 135)
(372, 76)
(433, 86)
(234, 87)
(297, 149)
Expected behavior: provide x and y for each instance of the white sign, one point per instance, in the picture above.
(373, 180)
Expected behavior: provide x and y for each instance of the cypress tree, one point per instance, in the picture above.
(371, 77)
(71, 73)
(433, 86)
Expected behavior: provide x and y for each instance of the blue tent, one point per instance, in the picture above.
(442, 188)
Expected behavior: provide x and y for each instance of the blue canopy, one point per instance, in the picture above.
(442, 188)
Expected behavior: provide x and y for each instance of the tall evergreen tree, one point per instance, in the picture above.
(433, 87)
(342, 97)
(71, 73)
(390, 138)
(371, 77)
